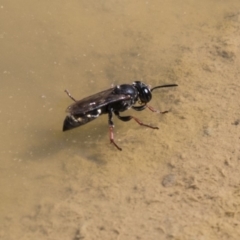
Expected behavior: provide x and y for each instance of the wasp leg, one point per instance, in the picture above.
(139, 108)
(68, 93)
(111, 135)
(155, 110)
(128, 118)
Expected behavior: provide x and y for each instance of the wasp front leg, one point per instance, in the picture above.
(155, 110)
(139, 108)
(128, 118)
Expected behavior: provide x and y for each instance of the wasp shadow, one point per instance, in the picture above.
(86, 142)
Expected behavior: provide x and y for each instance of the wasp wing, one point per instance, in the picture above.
(87, 109)
(95, 102)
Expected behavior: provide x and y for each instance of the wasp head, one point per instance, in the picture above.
(144, 92)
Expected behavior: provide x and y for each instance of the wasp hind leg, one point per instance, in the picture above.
(68, 93)
(111, 135)
(128, 118)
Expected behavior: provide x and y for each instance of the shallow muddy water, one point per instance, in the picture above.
(178, 182)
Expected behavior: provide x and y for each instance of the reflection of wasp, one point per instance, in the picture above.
(111, 101)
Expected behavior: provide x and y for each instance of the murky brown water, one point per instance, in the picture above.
(181, 182)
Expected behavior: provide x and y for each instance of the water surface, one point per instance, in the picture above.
(164, 183)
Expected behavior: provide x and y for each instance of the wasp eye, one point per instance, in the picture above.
(145, 95)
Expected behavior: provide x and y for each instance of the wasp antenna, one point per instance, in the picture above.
(163, 86)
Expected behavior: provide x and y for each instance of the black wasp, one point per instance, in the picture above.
(111, 101)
